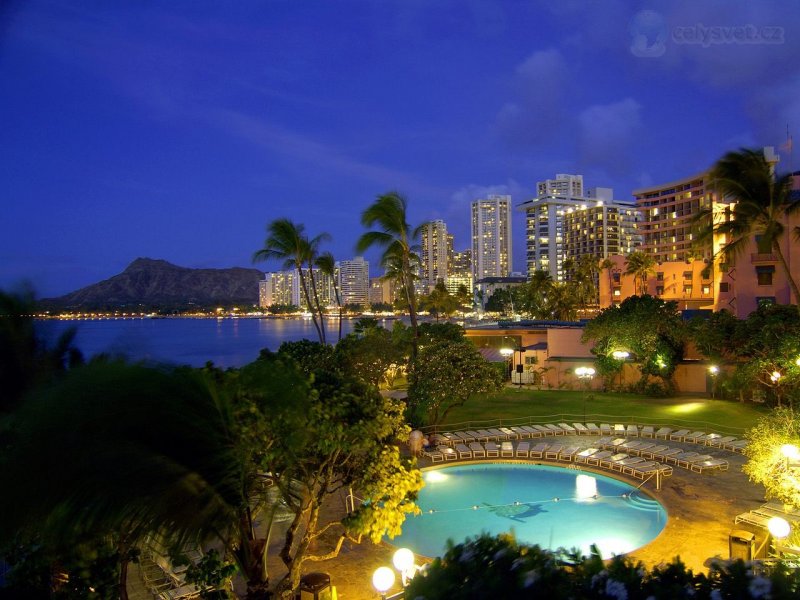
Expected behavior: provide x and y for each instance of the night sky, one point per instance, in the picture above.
(177, 130)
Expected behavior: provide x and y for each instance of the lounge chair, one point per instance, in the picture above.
(449, 453)
(521, 433)
(538, 450)
(491, 449)
(523, 449)
(478, 451)
(606, 429)
(434, 455)
(687, 463)
(694, 437)
(568, 429)
(648, 431)
(593, 429)
(568, 454)
(507, 449)
(752, 518)
(475, 435)
(188, 590)
(736, 446)
(594, 459)
(721, 441)
(580, 429)
(606, 439)
(632, 431)
(543, 430)
(581, 456)
(651, 452)
(498, 435)
(619, 429)
(642, 470)
(484, 435)
(438, 438)
(466, 437)
(642, 446)
(615, 443)
(463, 451)
(534, 433)
(607, 463)
(663, 433)
(677, 436)
(707, 438)
(667, 454)
(682, 457)
(630, 446)
(553, 451)
(555, 429)
(626, 463)
(512, 435)
(714, 464)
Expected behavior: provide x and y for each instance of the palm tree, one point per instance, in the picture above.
(398, 241)
(287, 241)
(762, 202)
(640, 265)
(608, 266)
(327, 266)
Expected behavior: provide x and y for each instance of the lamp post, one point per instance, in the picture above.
(622, 356)
(713, 370)
(383, 580)
(509, 353)
(585, 374)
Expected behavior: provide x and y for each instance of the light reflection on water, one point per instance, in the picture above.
(539, 504)
(227, 342)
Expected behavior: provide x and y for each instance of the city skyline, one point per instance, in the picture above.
(178, 132)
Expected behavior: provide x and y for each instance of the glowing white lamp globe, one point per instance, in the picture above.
(506, 351)
(790, 451)
(778, 527)
(403, 560)
(383, 579)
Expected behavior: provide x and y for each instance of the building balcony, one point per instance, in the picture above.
(756, 258)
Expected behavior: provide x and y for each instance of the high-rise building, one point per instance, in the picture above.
(560, 227)
(353, 277)
(562, 185)
(283, 288)
(434, 253)
(491, 237)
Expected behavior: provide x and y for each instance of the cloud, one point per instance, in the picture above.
(537, 107)
(609, 134)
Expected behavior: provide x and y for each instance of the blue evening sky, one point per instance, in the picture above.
(178, 129)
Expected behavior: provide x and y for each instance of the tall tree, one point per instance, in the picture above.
(327, 266)
(640, 265)
(398, 240)
(440, 301)
(286, 241)
(608, 266)
(762, 202)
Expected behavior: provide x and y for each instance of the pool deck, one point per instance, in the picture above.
(700, 507)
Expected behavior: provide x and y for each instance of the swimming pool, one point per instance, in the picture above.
(549, 506)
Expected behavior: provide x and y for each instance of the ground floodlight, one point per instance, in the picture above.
(779, 528)
(383, 579)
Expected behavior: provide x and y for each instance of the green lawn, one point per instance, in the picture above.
(513, 405)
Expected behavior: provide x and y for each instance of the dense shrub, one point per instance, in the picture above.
(498, 567)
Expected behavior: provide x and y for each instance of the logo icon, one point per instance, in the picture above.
(648, 34)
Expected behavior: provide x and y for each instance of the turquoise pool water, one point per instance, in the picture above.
(549, 506)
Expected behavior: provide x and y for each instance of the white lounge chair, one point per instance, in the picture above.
(478, 451)
(682, 457)
(594, 459)
(538, 450)
(651, 452)
(593, 429)
(721, 441)
(553, 451)
(667, 454)
(694, 437)
(607, 463)
(555, 429)
(688, 462)
(491, 449)
(641, 447)
(568, 429)
(463, 451)
(567, 454)
(632, 431)
(449, 453)
(581, 456)
(580, 428)
(484, 435)
(523, 449)
(512, 435)
(507, 450)
(433, 454)
(663, 433)
(736, 446)
(534, 433)
(619, 429)
(627, 463)
(606, 429)
(647, 431)
(498, 435)
(521, 433)
(714, 464)
(677, 436)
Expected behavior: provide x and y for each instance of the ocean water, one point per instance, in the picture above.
(227, 342)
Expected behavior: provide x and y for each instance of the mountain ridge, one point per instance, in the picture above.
(149, 282)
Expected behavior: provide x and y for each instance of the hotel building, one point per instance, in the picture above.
(491, 237)
(434, 240)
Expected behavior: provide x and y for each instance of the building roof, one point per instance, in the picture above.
(522, 279)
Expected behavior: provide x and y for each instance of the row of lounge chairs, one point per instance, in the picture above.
(628, 465)
(522, 432)
(694, 461)
(166, 580)
(760, 517)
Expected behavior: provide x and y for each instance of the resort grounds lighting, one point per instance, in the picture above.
(508, 353)
(620, 354)
(713, 370)
(779, 528)
(585, 374)
(383, 580)
(775, 377)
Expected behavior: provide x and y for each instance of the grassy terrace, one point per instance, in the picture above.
(512, 406)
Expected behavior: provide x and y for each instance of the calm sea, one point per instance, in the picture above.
(227, 342)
